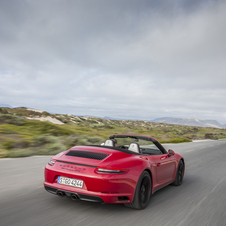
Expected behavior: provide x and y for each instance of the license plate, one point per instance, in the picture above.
(70, 182)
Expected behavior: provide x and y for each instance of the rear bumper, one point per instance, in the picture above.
(108, 188)
(88, 195)
(83, 197)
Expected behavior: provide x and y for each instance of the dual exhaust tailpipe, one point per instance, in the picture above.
(61, 193)
(73, 196)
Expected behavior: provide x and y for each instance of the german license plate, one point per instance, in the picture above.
(70, 182)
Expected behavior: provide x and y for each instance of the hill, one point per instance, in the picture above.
(26, 132)
(190, 122)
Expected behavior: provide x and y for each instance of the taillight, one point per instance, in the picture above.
(110, 171)
(51, 162)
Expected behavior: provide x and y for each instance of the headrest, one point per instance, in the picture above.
(134, 147)
(109, 143)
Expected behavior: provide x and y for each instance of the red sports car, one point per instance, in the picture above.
(124, 169)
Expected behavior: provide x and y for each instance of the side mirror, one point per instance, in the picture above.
(171, 152)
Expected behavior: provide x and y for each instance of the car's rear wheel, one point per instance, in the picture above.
(179, 174)
(142, 193)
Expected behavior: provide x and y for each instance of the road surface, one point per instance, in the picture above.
(199, 201)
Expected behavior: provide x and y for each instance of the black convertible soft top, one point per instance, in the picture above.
(133, 136)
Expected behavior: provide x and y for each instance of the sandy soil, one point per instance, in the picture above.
(47, 119)
(40, 111)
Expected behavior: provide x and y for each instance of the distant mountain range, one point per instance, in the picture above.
(190, 122)
(5, 105)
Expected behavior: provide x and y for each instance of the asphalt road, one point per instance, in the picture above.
(200, 200)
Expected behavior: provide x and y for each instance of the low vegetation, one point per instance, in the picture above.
(20, 137)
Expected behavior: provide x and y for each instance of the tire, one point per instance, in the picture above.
(142, 192)
(179, 174)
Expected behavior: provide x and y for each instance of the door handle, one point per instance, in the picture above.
(158, 164)
(145, 158)
(164, 157)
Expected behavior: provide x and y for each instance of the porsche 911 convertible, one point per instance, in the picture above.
(124, 169)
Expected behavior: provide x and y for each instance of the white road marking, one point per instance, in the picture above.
(189, 150)
(194, 150)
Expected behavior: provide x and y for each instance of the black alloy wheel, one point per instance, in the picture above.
(142, 193)
(144, 190)
(180, 174)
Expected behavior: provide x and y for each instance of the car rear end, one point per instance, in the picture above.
(87, 173)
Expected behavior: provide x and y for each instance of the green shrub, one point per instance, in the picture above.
(97, 125)
(110, 127)
(95, 140)
(47, 145)
(74, 140)
(87, 140)
(43, 140)
(45, 113)
(11, 119)
(71, 141)
(51, 149)
(3, 111)
(8, 145)
(180, 140)
(21, 144)
(211, 136)
(176, 140)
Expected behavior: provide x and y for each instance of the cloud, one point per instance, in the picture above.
(133, 59)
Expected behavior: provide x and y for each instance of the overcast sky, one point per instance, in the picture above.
(132, 59)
